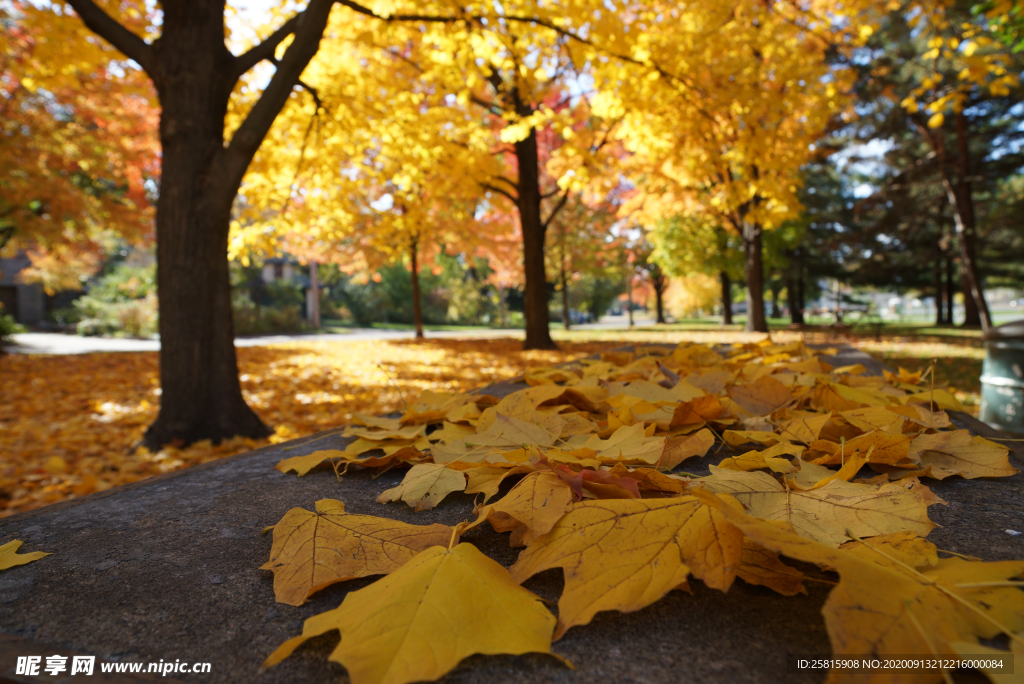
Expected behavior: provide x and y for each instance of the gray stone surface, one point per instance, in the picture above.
(167, 568)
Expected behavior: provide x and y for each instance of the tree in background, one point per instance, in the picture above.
(77, 145)
(963, 73)
(686, 245)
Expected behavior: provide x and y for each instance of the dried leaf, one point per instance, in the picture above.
(9, 556)
(424, 486)
(760, 397)
(957, 453)
(625, 554)
(314, 550)
(417, 623)
(884, 605)
(826, 513)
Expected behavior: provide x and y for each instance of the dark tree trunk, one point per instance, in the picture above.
(659, 282)
(726, 282)
(565, 297)
(950, 290)
(940, 314)
(417, 300)
(972, 317)
(194, 74)
(796, 307)
(775, 289)
(755, 277)
(960, 197)
(535, 295)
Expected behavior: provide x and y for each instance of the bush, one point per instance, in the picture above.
(8, 326)
(250, 319)
(134, 317)
(122, 301)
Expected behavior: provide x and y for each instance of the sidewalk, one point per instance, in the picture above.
(57, 343)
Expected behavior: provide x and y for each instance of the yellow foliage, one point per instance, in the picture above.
(686, 296)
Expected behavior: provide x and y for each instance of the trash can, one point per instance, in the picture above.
(1002, 378)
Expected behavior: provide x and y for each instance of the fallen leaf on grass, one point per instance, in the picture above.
(314, 550)
(424, 486)
(625, 554)
(9, 556)
(417, 623)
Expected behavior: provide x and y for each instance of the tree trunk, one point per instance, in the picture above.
(723, 277)
(960, 198)
(629, 297)
(950, 290)
(755, 277)
(658, 282)
(501, 305)
(972, 316)
(565, 299)
(194, 74)
(535, 296)
(314, 299)
(796, 307)
(201, 397)
(775, 289)
(940, 315)
(417, 304)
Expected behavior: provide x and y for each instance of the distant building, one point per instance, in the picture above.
(278, 269)
(25, 301)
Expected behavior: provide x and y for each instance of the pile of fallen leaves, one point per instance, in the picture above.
(831, 474)
(72, 425)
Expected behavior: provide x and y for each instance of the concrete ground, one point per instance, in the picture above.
(168, 568)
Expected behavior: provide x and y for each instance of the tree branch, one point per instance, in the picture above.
(558, 208)
(250, 134)
(494, 188)
(266, 49)
(105, 26)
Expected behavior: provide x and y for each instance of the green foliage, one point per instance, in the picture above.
(594, 294)
(122, 301)
(8, 326)
(251, 319)
(685, 245)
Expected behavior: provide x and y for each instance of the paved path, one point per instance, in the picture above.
(168, 568)
(57, 343)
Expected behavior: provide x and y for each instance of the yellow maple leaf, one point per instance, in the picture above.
(826, 513)
(9, 556)
(760, 397)
(424, 486)
(537, 501)
(625, 554)
(887, 604)
(417, 623)
(958, 453)
(314, 550)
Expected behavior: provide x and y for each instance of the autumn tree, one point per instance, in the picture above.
(686, 245)
(962, 71)
(77, 145)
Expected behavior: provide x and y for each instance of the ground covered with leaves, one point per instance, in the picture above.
(832, 467)
(70, 425)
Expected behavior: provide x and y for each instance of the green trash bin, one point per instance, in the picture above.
(1002, 378)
